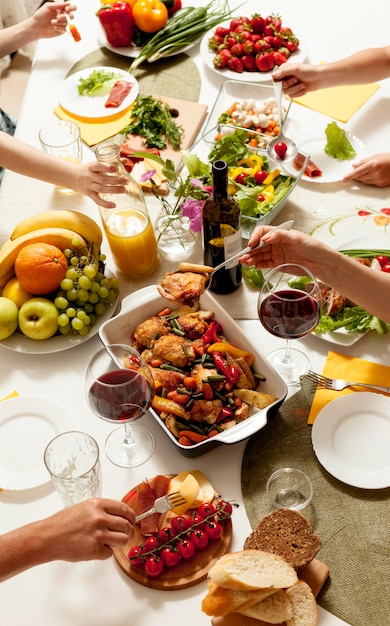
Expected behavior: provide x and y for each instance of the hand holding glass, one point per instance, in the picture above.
(120, 389)
(289, 311)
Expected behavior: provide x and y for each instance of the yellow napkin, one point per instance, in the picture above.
(339, 102)
(13, 394)
(348, 368)
(96, 130)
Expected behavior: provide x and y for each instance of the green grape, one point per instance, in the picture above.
(84, 330)
(87, 320)
(81, 314)
(82, 295)
(102, 257)
(88, 308)
(99, 277)
(83, 260)
(93, 298)
(105, 282)
(92, 317)
(74, 260)
(60, 302)
(66, 284)
(65, 330)
(77, 324)
(112, 296)
(76, 242)
(85, 282)
(63, 320)
(100, 309)
(95, 286)
(67, 253)
(115, 283)
(72, 273)
(72, 294)
(103, 292)
(71, 311)
(91, 270)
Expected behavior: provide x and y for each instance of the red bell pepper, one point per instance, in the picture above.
(231, 372)
(118, 23)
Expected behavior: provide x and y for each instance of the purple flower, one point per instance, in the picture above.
(147, 176)
(192, 209)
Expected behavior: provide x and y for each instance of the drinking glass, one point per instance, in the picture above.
(120, 389)
(72, 460)
(289, 306)
(62, 139)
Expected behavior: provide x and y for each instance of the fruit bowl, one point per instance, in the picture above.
(145, 303)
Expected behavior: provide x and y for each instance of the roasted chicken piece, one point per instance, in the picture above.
(182, 287)
(173, 349)
(205, 411)
(194, 325)
(149, 330)
(166, 378)
(200, 373)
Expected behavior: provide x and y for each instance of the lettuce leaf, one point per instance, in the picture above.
(338, 145)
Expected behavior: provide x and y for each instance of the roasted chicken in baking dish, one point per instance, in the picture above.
(183, 287)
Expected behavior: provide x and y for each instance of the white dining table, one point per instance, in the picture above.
(98, 592)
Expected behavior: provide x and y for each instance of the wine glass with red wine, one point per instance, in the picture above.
(120, 389)
(289, 307)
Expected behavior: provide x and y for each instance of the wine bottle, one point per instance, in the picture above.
(221, 231)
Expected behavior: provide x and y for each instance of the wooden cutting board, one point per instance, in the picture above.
(187, 573)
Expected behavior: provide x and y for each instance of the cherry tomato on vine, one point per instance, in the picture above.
(224, 509)
(260, 177)
(133, 556)
(199, 539)
(197, 520)
(150, 15)
(154, 566)
(179, 525)
(386, 268)
(382, 259)
(281, 149)
(170, 556)
(151, 543)
(206, 510)
(186, 549)
(164, 535)
(213, 530)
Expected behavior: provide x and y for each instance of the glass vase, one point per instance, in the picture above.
(175, 239)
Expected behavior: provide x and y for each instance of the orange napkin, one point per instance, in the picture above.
(348, 368)
(13, 394)
(96, 130)
(339, 102)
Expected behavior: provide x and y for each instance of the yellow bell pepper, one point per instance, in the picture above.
(254, 161)
(169, 406)
(268, 193)
(225, 347)
(271, 176)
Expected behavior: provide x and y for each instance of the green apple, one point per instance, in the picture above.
(8, 317)
(38, 318)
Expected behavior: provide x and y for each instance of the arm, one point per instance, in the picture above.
(368, 288)
(90, 179)
(365, 66)
(48, 21)
(88, 530)
(373, 170)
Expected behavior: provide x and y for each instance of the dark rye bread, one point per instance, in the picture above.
(286, 533)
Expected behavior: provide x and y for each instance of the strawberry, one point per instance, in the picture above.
(257, 24)
(220, 61)
(237, 50)
(235, 64)
(249, 63)
(265, 61)
(260, 46)
(247, 47)
(279, 58)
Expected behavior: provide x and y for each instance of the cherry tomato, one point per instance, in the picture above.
(186, 549)
(382, 259)
(164, 535)
(154, 566)
(240, 179)
(206, 510)
(199, 539)
(224, 509)
(386, 268)
(133, 556)
(260, 177)
(260, 198)
(170, 556)
(213, 530)
(150, 15)
(197, 520)
(281, 149)
(179, 525)
(150, 544)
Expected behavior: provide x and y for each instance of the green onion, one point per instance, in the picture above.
(182, 29)
(366, 254)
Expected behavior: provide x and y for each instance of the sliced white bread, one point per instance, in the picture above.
(236, 619)
(221, 601)
(274, 609)
(303, 605)
(252, 569)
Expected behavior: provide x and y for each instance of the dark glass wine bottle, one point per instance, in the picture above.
(221, 231)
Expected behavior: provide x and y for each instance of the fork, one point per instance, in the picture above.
(163, 504)
(338, 384)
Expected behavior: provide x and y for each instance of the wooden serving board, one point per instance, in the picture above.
(187, 573)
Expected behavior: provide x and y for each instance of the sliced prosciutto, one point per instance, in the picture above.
(312, 170)
(118, 93)
(147, 492)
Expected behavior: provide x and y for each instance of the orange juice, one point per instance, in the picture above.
(132, 242)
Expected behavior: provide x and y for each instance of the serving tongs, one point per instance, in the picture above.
(207, 269)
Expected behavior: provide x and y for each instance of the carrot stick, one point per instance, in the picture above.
(193, 436)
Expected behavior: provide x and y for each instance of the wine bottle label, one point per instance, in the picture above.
(232, 244)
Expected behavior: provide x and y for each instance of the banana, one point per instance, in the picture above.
(62, 218)
(60, 237)
(4, 280)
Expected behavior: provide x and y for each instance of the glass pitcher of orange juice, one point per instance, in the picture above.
(128, 227)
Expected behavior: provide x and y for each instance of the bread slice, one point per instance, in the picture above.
(303, 605)
(222, 601)
(274, 609)
(286, 533)
(236, 619)
(252, 569)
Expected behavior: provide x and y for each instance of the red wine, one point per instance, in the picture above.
(116, 397)
(221, 231)
(289, 313)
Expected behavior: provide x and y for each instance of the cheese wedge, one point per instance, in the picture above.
(188, 487)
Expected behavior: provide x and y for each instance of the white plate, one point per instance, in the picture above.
(145, 303)
(26, 427)
(19, 343)
(333, 170)
(133, 51)
(93, 106)
(351, 439)
(254, 77)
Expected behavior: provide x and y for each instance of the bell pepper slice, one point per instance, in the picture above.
(224, 347)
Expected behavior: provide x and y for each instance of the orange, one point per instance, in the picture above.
(40, 267)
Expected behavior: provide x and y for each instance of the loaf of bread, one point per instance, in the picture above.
(252, 569)
(288, 534)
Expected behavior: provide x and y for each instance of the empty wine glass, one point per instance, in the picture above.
(120, 389)
(289, 306)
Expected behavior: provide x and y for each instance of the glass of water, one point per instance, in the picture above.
(72, 460)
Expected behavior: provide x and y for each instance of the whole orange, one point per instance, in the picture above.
(40, 267)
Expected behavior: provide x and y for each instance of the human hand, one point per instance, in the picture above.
(95, 178)
(88, 530)
(50, 19)
(298, 78)
(373, 170)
